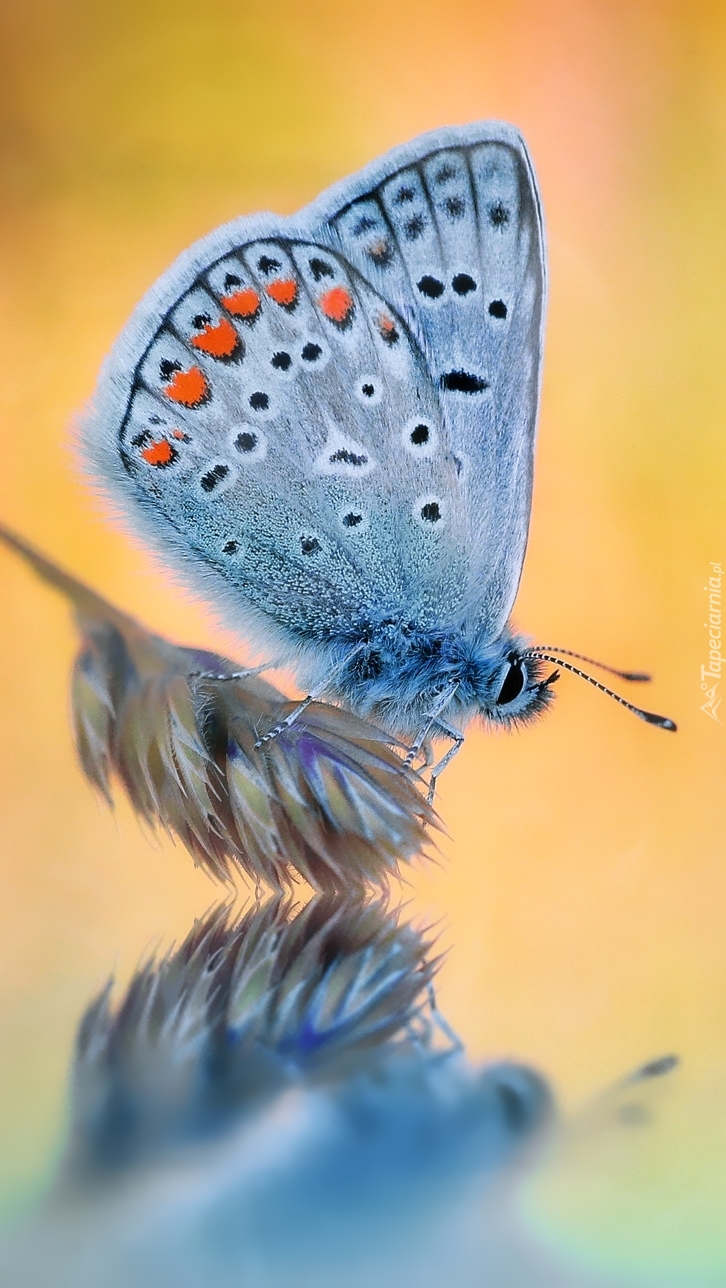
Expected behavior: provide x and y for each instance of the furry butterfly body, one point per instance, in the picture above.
(328, 420)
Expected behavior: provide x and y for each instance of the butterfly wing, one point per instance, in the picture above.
(302, 418)
(267, 417)
(448, 229)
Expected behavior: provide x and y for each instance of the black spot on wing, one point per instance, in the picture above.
(462, 284)
(498, 215)
(345, 457)
(364, 225)
(414, 227)
(431, 512)
(463, 382)
(455, 207)
(431, 287)
(214, 476)
(320, 268)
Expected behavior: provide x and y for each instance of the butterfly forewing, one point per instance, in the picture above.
(452, 237)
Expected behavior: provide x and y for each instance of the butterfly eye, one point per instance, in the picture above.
(513, 683)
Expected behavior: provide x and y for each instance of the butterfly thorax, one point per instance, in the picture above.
(397, 674)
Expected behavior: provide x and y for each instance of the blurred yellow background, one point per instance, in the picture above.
(583, 887)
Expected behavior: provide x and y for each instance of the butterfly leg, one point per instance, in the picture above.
(423, 1028)
(457, 742)
(233, 675)
(302, 706)
(285, 724)
(443, 1025)
(423, 739)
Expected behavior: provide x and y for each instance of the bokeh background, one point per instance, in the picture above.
(582, 889)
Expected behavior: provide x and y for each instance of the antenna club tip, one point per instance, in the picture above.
(661, 721)
(659, 1067)
(637, 677)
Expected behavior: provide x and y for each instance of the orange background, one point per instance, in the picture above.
(583, 887)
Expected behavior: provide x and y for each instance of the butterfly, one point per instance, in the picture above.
(328, 420)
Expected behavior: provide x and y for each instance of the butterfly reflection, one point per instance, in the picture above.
(277, 1101)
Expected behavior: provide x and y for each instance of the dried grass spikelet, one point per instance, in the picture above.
(346, 978)
(327, 798)
(242, 1010)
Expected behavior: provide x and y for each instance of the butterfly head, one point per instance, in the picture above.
(524, 690)
(515, 687)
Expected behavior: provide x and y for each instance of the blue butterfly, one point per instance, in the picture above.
(329, 421)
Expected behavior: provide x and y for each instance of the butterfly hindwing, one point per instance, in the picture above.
(282, 425)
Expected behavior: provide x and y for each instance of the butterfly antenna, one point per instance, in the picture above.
(649, 716)
(635, 677)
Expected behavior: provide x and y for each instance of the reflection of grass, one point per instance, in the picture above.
(242, 1011)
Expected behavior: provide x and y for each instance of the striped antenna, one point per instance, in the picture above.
(649, 716)
(634, 677)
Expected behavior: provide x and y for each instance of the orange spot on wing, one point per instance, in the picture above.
(219, 341)
(159, 453)
(242, 304)
(179, 433)
(283, 291)
(187, 387)
(387, 328)
(337, 304)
